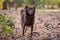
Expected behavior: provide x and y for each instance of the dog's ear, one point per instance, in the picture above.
(26, 7)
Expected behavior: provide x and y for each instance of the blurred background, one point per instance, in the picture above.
(50, 4)
(46, 25)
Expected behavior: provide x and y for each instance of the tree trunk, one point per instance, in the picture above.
(4, 5)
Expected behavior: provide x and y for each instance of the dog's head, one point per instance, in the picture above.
(30, 10)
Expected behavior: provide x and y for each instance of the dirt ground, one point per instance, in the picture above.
(46, 26)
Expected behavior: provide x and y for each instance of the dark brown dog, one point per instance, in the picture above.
(27, 17)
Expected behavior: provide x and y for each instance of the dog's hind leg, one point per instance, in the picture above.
(23, 30)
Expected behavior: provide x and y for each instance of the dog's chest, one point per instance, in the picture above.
(29, 19)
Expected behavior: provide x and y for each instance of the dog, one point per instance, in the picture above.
(27, 17)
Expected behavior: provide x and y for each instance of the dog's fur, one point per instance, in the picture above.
(27, 17)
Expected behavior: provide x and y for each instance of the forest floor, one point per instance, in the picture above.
(46, 26)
